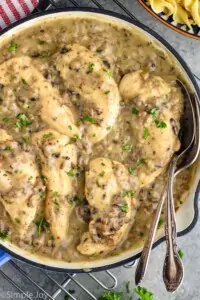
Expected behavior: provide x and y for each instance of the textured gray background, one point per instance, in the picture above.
(190, 244)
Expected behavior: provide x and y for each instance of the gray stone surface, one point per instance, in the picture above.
(190, 244)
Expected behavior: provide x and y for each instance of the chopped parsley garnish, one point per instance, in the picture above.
(24, 81)
(91, 67)
(22, 121)
(108, 72)
(141, 234)
(160, 222)
(180, 253)
(160, 124)
(41, 225)
(31, 177)
(153, 112)
(88, 119)
(140, 162)
(102, 174)
(106, 92)
(111, 296)
(56, 198)
(17, 220)
(127, 194)
(70, 173)
(127, 147)
(146, 133)
(44, 178)
(143, 293)
(128, 287)
(102, 164)
(43, 195)
(7, 148)
(41, 42)
(47, 135)
(108, 128)
(3, 235)
(17, 171)
(77, 200)
(131, 170)
(70, 127)
(135, 111)
(12, 47)
(6, 120)
(75, 138)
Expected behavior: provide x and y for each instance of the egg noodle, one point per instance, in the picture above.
(183, 11)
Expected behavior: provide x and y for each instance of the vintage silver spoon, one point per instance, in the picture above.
(143, 262)
(173, 266)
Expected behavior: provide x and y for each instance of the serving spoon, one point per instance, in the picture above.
(191, 126)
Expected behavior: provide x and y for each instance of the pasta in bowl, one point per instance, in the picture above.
(88, 128)
(182, 16)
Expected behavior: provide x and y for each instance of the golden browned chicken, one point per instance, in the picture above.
(112, 206)
(57, 116)
(20, 183)
(156, 110)
(91, 89)
(59, 168)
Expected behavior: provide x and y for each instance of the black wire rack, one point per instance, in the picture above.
(57, 286)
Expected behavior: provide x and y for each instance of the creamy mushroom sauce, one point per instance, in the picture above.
(117, 51)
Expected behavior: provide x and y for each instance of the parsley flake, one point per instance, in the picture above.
(180, 253)
(160, 124)
(111, 296)
(140, 162)
(127, 147)
(127, 194)
(131, 170)
(88, 119)
(146, 133)
(41, 42)
(43, 195)
(22, 121)
(47, 135)
(70, 127)
(7, 148)
(24, 81)
(108, 128)
(12, 47)
(106, 92)
(154, 112)
(75, 137)
(41, 225)
(102, 174)
(128, 287)
(143, 293)
(3, 235)
(91, 67)
(124, 206)
(135, 111)
(71, 173)
(108, 72)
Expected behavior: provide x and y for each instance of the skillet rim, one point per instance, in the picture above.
(196, 88)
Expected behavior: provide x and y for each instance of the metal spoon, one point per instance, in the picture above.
(143, 262)
(173, 266)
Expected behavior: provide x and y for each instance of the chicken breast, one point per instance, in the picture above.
(111, 203)
(20, 183)
(59, 162)
(57, 116)
(155, 121)
(92, 90)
